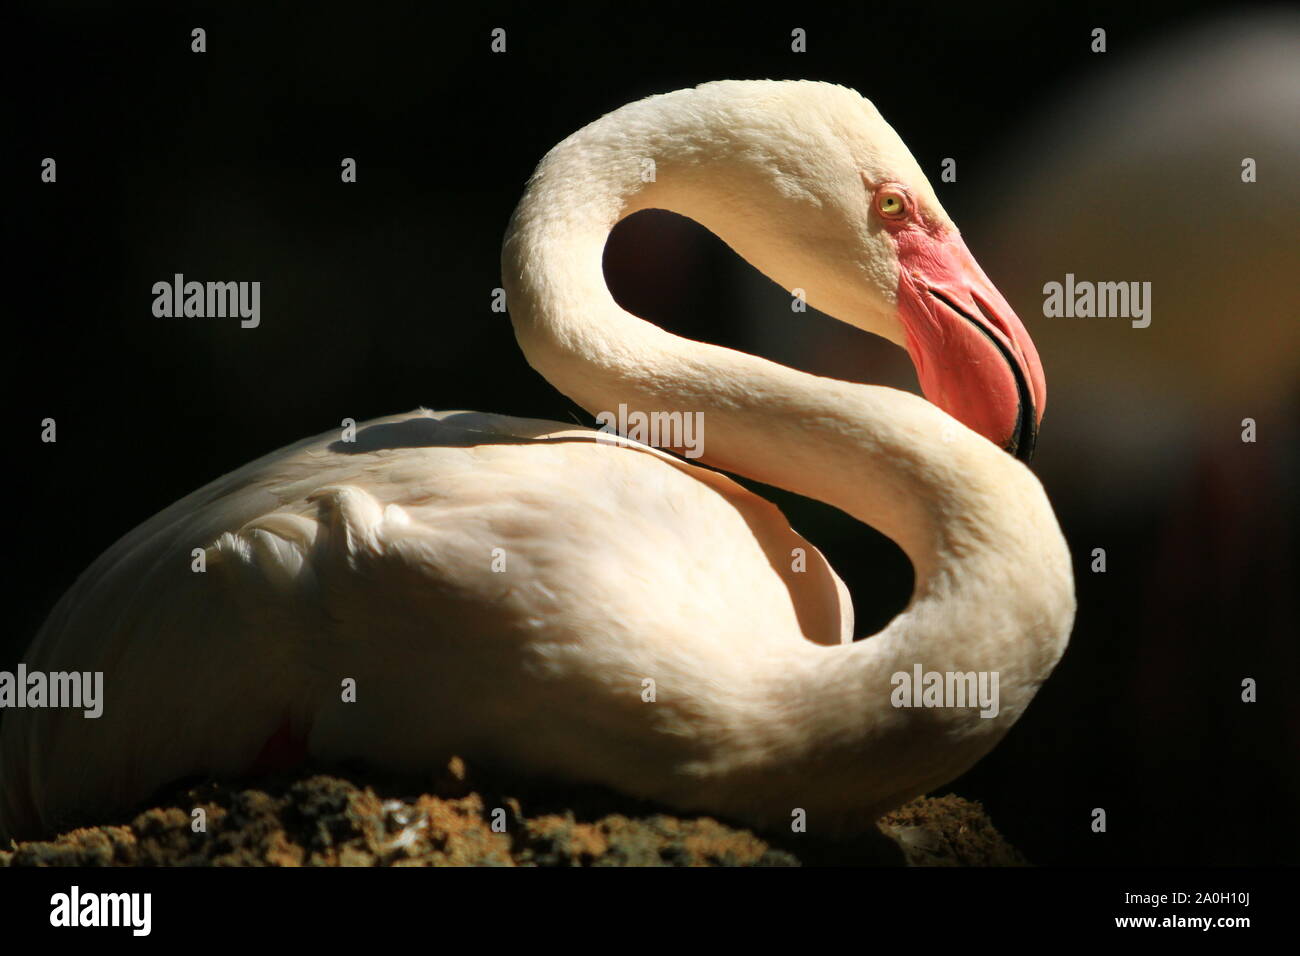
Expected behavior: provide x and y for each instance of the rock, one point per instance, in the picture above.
(459, 820)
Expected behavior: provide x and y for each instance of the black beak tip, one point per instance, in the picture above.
(1025, 437)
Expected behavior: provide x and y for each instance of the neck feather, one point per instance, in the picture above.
(993, 579)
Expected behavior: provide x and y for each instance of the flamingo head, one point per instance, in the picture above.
(972, 354)
(973, 357)
(864, 235)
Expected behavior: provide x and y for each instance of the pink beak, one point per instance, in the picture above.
(972, 355)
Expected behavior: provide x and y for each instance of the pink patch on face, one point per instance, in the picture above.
(973, 357)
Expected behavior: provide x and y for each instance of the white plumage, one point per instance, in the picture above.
(501, 588)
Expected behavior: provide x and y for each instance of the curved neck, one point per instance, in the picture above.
(975, 523)
(882, 456)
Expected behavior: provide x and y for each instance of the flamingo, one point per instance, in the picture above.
(566, 602)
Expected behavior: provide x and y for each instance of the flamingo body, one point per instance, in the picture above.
(551, 600)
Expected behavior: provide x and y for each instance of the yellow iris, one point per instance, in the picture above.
(890, 204)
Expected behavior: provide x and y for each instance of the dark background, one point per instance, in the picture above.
(375, 299)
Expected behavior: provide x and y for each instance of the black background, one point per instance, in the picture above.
(375, 299)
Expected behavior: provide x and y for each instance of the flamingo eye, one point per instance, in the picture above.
(891, 202)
